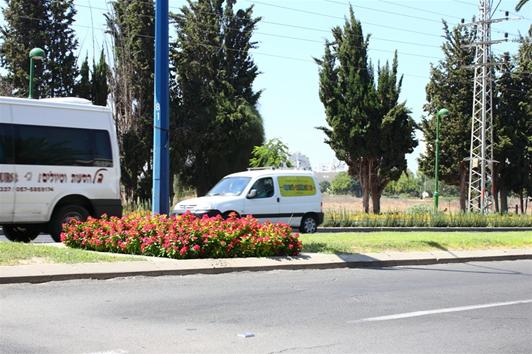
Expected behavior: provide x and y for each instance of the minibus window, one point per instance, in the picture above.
(58, 146)
(6, 144)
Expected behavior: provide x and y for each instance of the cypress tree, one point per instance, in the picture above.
(368, 129)
(216, 124)
(46, 24)
(451, 87)
(61, 44)
(523, 87)
(131, 25)
(99, 87)
(83, 86)
(395, 136)
(348, 95)
(25, 28)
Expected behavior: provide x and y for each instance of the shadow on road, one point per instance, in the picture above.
(489, 270)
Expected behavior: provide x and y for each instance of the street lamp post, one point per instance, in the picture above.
(35, 54)
(440, 114)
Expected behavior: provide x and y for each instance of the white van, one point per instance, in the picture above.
(58, 160)
(289, 196)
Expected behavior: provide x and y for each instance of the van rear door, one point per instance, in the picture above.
(7, 166)
(298, 196)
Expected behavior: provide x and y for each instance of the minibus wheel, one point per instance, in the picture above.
(63, 215)
(21, 233)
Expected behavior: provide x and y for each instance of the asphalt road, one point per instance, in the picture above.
(42, 238)
(468, 308)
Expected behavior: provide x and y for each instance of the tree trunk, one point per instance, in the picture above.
(495, 189)
(365, 200)
(372, 180)
(521, 204)
(376, 200)
(364, 183)
(463, 186)
(504, 200)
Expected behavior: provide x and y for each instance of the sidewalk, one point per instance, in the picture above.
(153, 266)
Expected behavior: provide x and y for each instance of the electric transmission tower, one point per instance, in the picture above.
(481, 163)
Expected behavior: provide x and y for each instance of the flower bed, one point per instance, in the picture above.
(182, 237)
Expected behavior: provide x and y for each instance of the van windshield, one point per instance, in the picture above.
(230, 186)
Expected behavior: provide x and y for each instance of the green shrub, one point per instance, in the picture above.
(419, 216)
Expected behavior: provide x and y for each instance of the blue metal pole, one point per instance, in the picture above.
(161, 174)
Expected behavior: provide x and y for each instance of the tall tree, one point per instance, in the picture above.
(348, 95)
(83, 87)
(46, 24)
(131, 25)
(25, 27)
(523, 79)
(395, 135)
(510, 138)
(368, 129)
(216, 123)
(99, 85)
(451, 87)
(61, 45)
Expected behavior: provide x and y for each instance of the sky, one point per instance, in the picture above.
(292, 33)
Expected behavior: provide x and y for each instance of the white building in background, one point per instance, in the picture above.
(300, 161)
(333, 166)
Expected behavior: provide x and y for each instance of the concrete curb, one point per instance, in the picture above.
(161, 267)
(328, 229)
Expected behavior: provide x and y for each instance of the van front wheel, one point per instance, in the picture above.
(309, 225)
(21, 233)
(64, 215)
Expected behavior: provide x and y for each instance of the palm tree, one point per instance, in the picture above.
(520, 4)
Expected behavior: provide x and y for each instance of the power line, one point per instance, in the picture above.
(322, 42)
(425, 45)
(420, 10)
(383, 11)
(341, 18)
(465, 2)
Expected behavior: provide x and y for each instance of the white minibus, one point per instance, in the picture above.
(59, 160)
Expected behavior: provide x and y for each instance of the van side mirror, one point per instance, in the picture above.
(252, 194)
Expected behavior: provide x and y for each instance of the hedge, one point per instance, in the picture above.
(344, 218)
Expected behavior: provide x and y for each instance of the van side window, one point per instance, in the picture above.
(58, 146)
(6, 144)
(264, 187)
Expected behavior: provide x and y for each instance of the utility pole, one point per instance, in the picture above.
(161, 173)
(480, 195)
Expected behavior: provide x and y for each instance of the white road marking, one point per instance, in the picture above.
(445, 310)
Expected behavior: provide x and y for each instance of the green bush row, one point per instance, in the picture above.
(344, 218)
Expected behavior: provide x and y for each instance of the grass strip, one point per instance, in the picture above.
(357, 242)
(12, 253)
